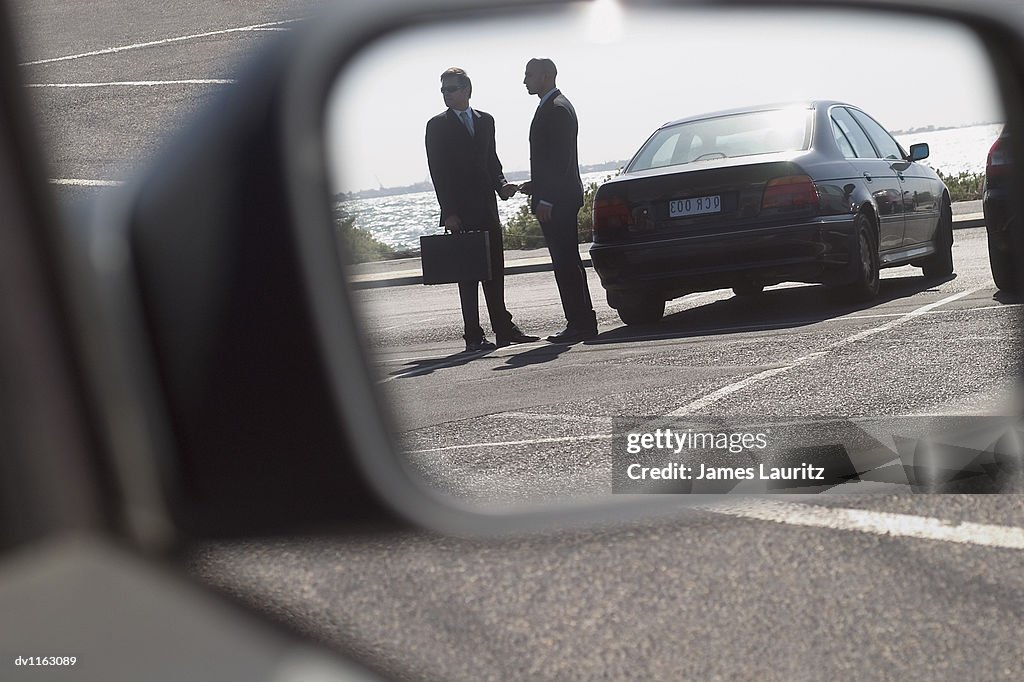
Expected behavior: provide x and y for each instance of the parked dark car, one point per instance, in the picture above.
(815, 192)
(1001, 221)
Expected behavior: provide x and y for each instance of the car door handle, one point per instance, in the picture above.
(867, 176)
(899, 175)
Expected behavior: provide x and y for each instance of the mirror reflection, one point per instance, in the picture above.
(674, 224)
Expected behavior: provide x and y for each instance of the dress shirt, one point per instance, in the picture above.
(466, 116)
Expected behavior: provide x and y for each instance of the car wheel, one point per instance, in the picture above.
(748, 289)
(865, 286)
(941, 262)
(641, 311)
(1001, 262)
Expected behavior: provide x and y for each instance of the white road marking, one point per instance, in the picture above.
(532, 441)
(909, 316)
(154, 43)
(729, 389)
(395, 361)
(132, 84)
(936, 312)
(924, 310)
(404, 324)
(667, 336)
(697, 334)
(540, 416)
(875, 523)
(86, 183)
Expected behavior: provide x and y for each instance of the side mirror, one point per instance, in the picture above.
(242, 395)
(919, 151)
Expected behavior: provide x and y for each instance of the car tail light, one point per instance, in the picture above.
(611, 218)
(790, 192)
(998, 162)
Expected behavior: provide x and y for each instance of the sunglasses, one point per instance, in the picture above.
(448, 89)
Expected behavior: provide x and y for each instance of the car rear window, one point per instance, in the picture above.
(747, 134)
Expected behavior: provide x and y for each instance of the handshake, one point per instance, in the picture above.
(509, 190)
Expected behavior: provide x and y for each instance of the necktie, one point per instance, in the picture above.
(467, 122)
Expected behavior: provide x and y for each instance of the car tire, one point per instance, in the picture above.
(747, 289)
(865, 285)
(1001, 263)
(641, 311)
(940, 263)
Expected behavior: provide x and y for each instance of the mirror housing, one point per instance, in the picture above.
(233, 385)
(919, 151)
(224, 407)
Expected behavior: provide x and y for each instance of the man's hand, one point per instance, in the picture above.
(543, 212)
(508, 191)
(453, 223)
(526, 188)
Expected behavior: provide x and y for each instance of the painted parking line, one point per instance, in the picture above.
(155, 43)
(545, 416)
(134, 84)
(556, 417)
(729, 389)
(507, 443)
(697, 334)
(81, 182)
(875, 523)
(408, 323)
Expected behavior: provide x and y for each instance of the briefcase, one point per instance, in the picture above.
(456, 257)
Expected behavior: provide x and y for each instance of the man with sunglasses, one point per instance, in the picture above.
(466, 173)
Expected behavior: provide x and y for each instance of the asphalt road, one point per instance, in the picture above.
(876, 586)
(552, 402)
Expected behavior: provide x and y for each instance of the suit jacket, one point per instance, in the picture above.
(554, 162)
(465, 169)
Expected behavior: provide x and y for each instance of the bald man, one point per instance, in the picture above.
(556, 196)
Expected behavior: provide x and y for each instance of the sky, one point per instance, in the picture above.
(629, 71)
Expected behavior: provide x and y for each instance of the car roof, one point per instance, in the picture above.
(801, 104)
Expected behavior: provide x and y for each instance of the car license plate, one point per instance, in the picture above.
(694, 206)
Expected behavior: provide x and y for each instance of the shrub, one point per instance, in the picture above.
(357, 245)
(523, 231)
(965, 186)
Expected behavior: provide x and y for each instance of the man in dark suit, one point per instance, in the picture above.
(556, 196)
(466, 173)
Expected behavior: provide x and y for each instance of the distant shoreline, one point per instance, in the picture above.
(513, 176)
(516, 176)
(936, 129)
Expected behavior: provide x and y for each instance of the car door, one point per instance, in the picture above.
(876, 173)
(919, 204)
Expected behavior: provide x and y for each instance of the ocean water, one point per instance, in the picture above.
(400, 220)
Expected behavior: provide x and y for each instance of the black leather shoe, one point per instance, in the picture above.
(478, 345)
(516, 337)
(570, 335)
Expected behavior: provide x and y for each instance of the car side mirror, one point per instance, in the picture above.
(241, 396)
(919, 151)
